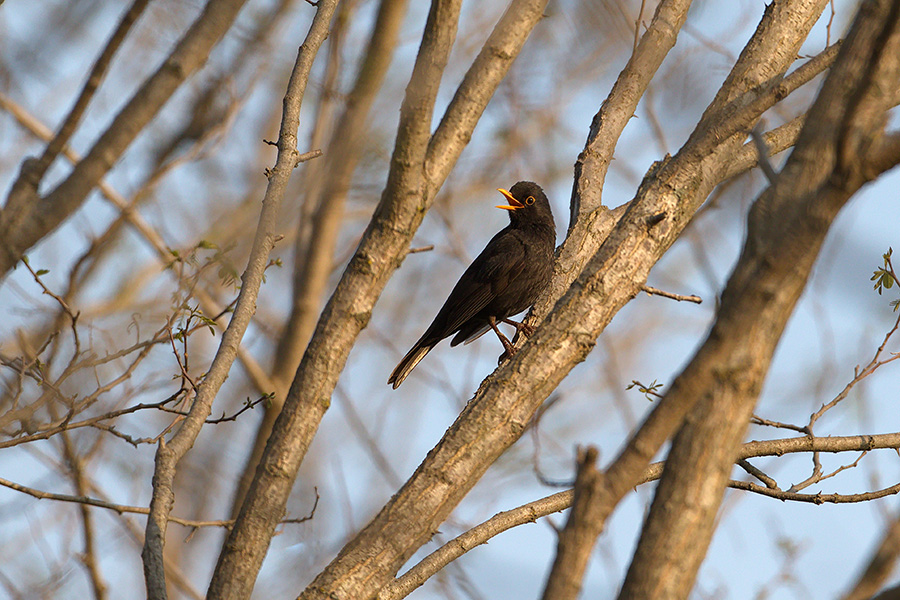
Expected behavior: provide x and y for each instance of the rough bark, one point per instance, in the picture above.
(787, 225)
(505, 403)
(590, 221)
(667, 198)
(417, 169)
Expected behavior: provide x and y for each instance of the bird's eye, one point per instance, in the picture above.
(529, 200)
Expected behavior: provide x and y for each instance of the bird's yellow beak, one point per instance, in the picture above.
(513, 203)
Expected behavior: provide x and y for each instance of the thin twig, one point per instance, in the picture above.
(312, 511)
(818, 476)
(859, 375)
(817, 498)
(652, 291)
(767, 423)
(119, 508)
(830, 21)
(138, 510)
(36, 275)
(307, 156)
(637, 26)
(65, 425)
(758, 473)
(134, 218)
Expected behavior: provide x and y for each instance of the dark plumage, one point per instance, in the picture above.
(505, 279)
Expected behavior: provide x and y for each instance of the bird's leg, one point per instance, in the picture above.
(510, 350)
(523, 328)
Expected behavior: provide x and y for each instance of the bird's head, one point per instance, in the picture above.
(527, 204)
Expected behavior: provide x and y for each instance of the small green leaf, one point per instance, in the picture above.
(42, 272)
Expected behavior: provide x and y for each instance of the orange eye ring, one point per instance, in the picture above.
(529, 200)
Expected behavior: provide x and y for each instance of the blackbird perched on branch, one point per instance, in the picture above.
(505, 279)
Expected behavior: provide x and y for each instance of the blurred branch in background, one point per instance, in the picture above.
(325, 199)
(26, 217)
(881, 564)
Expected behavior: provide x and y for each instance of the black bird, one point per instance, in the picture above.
(505, 279)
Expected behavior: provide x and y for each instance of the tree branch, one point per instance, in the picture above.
(817, 498)
(787, 226)
(576, 540)
(96, 75)
(119, 508)
(530, 512)
(344, 316)
(384, 244)
(26, 218)
(168, 455)
(315, 258)
(590, 222)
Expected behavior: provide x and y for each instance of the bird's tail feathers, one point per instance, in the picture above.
(469, 332)
(477, 335)
(409, 362)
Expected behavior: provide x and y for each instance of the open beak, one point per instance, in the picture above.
(513, 203)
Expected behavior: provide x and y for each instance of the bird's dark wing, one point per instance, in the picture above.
(487, 276)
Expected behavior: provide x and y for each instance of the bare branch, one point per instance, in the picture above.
(133, 217)
(26, 219)
(759, 474)
(576, 540)
(168, 455)
(247, 544)
(66, 130)
(119, 508)
(321, 222)
(787, 225)
(530, 512)
(343, 152)
(387, 238)
(817, 498)
(307, 156)
(652, 291)
(859, 375)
